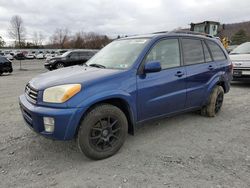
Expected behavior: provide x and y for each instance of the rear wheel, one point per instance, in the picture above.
(215, 102)
(102, 132)
(59, 65)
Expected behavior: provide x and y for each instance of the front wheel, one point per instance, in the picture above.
(102, 132)
(215, 102)
(59, 65)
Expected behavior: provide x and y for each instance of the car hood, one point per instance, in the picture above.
(240, 57)
(70, 75)
(240, 60)
(55, 58)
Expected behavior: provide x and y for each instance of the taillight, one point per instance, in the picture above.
(231, 67)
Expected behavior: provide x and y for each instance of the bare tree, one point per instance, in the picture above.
(60, 38)
(38, 39)
(2, 42)
(35, 39)
(17, 30)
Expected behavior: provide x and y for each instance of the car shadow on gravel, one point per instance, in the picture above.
(241, 84)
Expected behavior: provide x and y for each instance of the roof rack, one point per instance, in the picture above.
(191, 33)
(159, 32)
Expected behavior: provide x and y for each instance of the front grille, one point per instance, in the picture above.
(31, 93)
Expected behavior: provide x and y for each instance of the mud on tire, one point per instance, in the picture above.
(215, 102)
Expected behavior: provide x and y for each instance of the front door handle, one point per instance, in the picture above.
(179, 74)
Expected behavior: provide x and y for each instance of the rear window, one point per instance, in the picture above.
(216, 51)
(192, 51)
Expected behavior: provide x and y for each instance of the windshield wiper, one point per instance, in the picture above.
(97, 65)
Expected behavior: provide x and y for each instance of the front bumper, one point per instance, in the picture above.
(66, 119)
(48, 66)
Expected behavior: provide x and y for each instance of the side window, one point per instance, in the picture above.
(216, 51)
(192, 51)
(83, 55)
(208, 57)
(167, 52)
(74, 56)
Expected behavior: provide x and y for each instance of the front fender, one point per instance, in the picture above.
(99, 97)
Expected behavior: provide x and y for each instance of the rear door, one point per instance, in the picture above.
(200, 70)
(73, 59)
(163, 92)
(84, 56)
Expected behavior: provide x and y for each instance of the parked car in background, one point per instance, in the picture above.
(19, 56)
(231, 48)
(5, 65)
(9, 56)
(40, 56)
(50, 55)
(240, 57)
(129, 82)
(69, 58)
(30, 56)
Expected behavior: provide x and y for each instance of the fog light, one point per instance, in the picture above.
(49, 124)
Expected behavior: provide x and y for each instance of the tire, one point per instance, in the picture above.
(59, 65)
(1, 73)
(102, 132)
(215, 102)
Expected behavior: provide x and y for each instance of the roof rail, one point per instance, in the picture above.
(159, 32)
(191, 32)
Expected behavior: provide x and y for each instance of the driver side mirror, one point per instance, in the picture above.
(152, 66)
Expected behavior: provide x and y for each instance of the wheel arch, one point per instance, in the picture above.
(119, 102)
(216, 82)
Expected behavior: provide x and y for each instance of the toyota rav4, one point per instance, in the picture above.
(130, 81)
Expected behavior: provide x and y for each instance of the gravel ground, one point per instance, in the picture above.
(183, 151)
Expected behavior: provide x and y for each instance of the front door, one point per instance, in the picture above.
(164, 92)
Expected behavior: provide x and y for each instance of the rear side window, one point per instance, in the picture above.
(216, 51)
(192, 51)
(74, 56)
(167, 52)
(83, 54)
(208, 57)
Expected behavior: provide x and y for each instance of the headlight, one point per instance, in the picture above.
(52, 61)
(60, 94)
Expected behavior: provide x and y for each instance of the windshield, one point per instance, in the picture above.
(65, 54)
(120, 54)
(242, 49)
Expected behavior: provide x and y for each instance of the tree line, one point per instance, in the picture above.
(61, 38)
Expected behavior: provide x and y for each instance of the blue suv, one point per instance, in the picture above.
(130, 81)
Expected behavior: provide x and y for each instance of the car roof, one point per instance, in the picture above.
(83, 50)
(173, 34)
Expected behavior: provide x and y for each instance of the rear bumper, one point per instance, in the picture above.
(66, 120)
(241, 74)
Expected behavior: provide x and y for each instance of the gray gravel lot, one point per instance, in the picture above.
(183, 151)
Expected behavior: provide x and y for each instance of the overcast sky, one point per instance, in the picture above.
(113, 17)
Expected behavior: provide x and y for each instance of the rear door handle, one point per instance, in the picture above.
(179, 74)
(210, 67)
